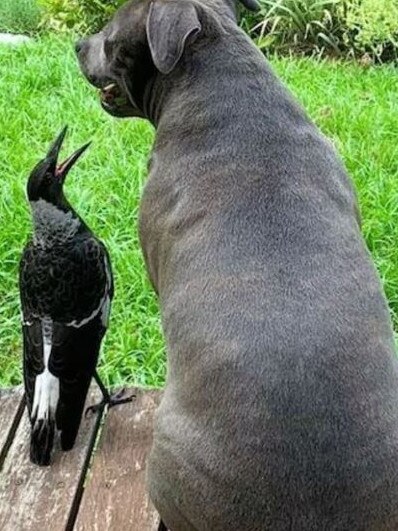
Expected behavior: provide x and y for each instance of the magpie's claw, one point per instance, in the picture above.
(118, 395)
(110, 401)
(94, 409)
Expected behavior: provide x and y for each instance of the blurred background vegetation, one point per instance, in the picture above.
(362, 29)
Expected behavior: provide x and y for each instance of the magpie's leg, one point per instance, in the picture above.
(108, 399)
(162, 527)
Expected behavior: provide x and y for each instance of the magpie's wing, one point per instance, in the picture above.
(66, 283)
(43, 429)
(76, 344)
(73, 288)
(84, 281)
(73, 360)
(108, 266)
(33, 362)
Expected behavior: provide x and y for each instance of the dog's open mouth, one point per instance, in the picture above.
(115, 101)
(112, 96)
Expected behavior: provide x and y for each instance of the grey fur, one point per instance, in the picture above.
(281, 404)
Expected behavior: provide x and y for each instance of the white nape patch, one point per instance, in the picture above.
(46, 393)
(51, 224)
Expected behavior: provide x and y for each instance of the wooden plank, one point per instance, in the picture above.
(11, 409)
(115, 496)
(36, 498)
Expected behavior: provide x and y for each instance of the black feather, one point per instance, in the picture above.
(65, 282)
(41, 442)
(33, 363)
(75, 350)
(73, 360)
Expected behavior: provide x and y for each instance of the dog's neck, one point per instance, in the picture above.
(180, 106)
(153, 99)
(160, 90)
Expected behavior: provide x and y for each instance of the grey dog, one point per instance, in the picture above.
(280, 410)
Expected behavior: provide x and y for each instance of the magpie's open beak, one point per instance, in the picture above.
(62, 169)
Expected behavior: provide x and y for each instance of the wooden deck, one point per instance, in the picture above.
(98, 486)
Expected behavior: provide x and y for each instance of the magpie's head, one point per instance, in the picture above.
(47, 179)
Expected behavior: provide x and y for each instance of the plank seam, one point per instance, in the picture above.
(85, 468)
(12, 431)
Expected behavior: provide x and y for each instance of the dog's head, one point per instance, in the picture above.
(145, 38)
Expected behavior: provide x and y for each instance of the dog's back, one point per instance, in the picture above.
(280, 410)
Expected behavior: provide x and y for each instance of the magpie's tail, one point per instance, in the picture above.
(70, 411)
(70, 429)
(41, 441)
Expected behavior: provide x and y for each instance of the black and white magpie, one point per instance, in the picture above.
(66, 290)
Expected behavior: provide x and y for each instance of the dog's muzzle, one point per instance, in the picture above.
(113, 97)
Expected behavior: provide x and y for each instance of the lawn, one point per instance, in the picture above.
(42, 90)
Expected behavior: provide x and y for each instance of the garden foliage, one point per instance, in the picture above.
(353, 28)
(81, 16)
(341, 28)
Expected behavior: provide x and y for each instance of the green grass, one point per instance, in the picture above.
(19, 16)
(42, 90)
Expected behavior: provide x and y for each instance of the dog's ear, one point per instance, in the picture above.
(168, 26)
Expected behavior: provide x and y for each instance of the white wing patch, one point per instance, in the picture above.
(46, 395)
